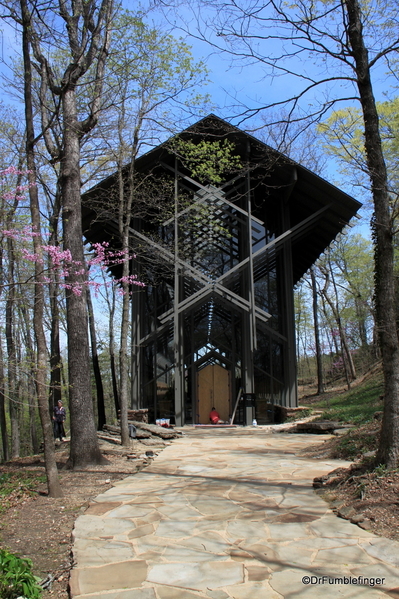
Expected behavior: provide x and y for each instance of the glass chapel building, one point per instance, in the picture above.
(215, 320)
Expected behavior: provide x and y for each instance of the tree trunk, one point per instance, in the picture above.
(124, 219)
(96, 366)
(124, 222)
(84, 445)
(53, 484)
(388, 450)
(361, 320)
(320, 383)
(350, 372)
(344, 341)
(11, 354)
(112, 354)
(338, 323)
(3, 422)
(124, 366)
(111, 346)
(88, 26)
(55, 394)
(31, 386)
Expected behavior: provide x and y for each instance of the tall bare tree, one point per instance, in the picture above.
(319, 361)
(53, 484)
(86, 27)
(14, 406)
(329, 48)
(155, 82)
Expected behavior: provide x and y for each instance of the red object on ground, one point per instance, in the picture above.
(214, 417)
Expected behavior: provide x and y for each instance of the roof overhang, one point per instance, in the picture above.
(322, 207)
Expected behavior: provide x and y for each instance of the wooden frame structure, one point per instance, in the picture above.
(219, 272)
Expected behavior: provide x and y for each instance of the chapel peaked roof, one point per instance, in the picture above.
(318, 210)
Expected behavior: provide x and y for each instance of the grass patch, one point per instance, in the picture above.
(357, 442)
(356, 406)
(18, 484)
(300, 414)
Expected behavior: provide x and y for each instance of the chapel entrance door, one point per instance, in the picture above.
(213, 390)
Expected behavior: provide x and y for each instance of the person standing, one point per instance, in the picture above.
(59, 419)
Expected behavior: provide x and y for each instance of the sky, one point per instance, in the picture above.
(236, 85)
(232, 85)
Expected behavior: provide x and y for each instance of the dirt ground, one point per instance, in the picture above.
(366, 496)
(40, 528)
(369, 500)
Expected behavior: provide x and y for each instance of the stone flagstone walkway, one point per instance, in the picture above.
(227, 514)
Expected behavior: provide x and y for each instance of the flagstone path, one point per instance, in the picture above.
(227, 514)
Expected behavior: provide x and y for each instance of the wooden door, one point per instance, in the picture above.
(213, 390)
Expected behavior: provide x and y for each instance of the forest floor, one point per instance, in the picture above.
(365, 493)
(35, 526)
(39, 528)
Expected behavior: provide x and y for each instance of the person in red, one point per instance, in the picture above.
(214, 417)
